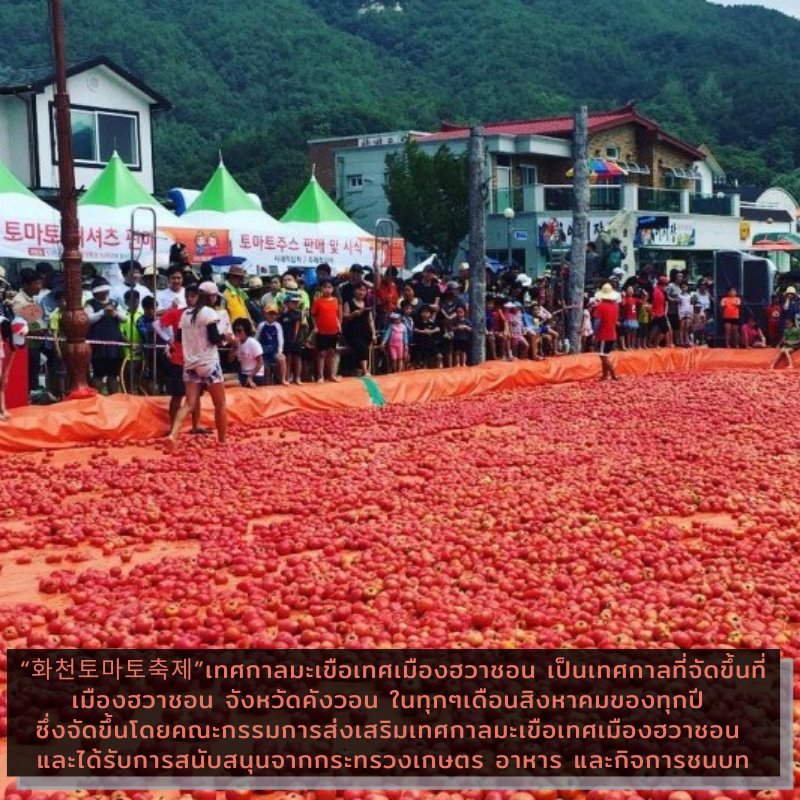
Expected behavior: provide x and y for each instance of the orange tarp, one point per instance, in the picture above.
(125, 418)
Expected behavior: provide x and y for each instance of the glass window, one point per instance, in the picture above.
(84, 135)
(355, 181)
(97, 134)
(117, 132)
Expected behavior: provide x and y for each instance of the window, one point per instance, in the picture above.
(612, 152)
(97, 134)
(355, 181)
(528, 175)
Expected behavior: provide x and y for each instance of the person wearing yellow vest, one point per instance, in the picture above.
(235, 296)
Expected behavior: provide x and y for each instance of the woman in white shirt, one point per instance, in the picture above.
(200, 337)
(249, 354)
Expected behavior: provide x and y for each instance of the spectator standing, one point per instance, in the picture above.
(255, 305)
(395, 340)
(426, 338)
(270, 335)
(105, 329)
(358, 327)
(630, 317)
(235, 296)
(791, 306)
(731, 306)
(462, 337)
(25, 304)
(660, 331)
(685, 315)
(173, 296)
(606, 314)
(6, 346)
(428, 290)
(673, 293)
(325, 311)
(773, 313)
(294, 328)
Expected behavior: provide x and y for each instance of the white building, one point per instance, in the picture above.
(111, 110)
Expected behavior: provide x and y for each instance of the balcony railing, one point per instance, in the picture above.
(601, 198)
(710, 204)
(666, 200)
(557, 199)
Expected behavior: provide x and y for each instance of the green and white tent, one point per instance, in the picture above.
(325, 232)
(106, 212)
(224, 204)
(29, 228)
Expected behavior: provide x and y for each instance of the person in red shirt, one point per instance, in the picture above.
(168, 326)
(731, 306)
(660, 330)
(606, 315)
(326, 313)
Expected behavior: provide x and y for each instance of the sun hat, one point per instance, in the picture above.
(255, 283)
(208, 287)
(463, 266)
(790, 290)
(237, 269)
(607, 292)
(524, 280)
(271, 309)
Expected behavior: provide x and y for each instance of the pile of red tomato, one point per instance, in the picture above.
(655, 512)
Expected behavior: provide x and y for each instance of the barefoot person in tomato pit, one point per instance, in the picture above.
(606, 315)
(201, 337)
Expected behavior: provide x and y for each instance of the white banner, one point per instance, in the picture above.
(25, 238)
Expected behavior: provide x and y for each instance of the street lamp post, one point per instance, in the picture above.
(509, 214)
(77, 351)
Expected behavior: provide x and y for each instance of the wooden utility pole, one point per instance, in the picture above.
(77, 352)
(477, 246)
(580, 227)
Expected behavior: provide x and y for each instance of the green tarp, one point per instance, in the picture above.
(10, 184)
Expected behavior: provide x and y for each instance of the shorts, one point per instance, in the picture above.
(327, 341)
(106, 367)
(258, 380)
(731, 321)
(293, 348)
(359, 350)
(630, 324)
(461, 345)
(215, 376)
(605, 348)
(175, 384)
(674, 321)
(396, 353)
(659, 324)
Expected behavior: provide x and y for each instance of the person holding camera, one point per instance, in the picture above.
(105, 334)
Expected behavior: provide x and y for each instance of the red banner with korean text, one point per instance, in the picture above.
(203, 244)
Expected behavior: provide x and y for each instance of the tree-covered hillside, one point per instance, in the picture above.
(258, 78)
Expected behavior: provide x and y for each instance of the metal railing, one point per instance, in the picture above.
(666, 200)
(601, 198)
(710, 204)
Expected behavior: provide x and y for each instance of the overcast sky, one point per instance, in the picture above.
(790, 7)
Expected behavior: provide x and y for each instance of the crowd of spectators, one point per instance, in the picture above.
(297, 328)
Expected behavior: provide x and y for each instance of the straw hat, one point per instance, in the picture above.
(789, 290)
(607, 292)
(255, 283)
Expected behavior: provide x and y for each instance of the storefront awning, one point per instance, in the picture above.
(689, 174)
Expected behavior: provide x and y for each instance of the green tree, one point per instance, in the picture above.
(429, 198)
